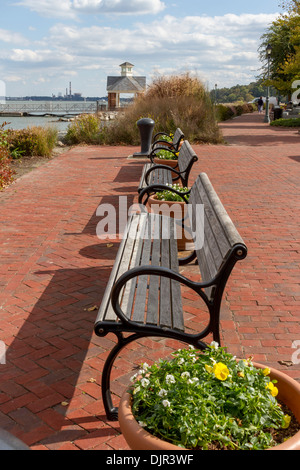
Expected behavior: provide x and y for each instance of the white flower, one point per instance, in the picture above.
(193, 380)
(185, 375)
(166, 403)
(136, 390)
(180, 361)
(142, 424)
(170, 379)
(145, 366)
(145, 382)
(132, 379)
(162, 393)
(214, 345)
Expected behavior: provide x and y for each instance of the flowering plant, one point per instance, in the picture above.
(208, 400)
(167, 138)
(169, 195)
(166, 155)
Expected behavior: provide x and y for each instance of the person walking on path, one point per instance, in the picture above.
(260, 104)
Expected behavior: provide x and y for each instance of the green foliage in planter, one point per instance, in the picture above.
(166, 138)
(294, 122)
(169, 195)
(208, 400)
(166, 155)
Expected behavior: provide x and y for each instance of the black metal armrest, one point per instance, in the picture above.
(154, 271)
(160, 133)
(157, 149)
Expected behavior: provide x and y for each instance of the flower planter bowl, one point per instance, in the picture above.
(139, 439)
(165, 208)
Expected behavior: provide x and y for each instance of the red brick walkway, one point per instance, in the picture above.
(54, 270)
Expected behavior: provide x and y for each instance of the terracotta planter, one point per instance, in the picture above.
(139, 439)
(172, 163)
(173, 209)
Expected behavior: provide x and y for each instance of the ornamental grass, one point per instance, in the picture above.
(172, 102)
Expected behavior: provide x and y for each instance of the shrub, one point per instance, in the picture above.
(85, 129)
(32, 141)
(6, 173)
(294, 122)
(228, 111)
(178, 101)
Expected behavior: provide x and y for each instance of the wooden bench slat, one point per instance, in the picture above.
(165, 316)
(154, 281)
(142, 282)
(113, 276)
(178, 322)
(133, 260)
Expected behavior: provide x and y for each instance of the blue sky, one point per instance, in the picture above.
(46, 44)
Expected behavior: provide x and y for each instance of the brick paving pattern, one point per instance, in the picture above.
(54, 270)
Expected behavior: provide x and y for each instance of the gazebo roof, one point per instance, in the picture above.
(126, 84)
(127, 64)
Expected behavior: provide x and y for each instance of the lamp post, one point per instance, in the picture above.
(269, 52)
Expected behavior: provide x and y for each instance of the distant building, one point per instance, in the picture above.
(126, 83)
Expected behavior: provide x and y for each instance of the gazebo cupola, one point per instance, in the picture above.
(126, 69)
(126, 83)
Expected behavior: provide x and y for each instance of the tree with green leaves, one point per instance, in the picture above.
(283, 36)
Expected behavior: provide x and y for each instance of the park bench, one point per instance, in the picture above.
(143, 294)
(154, 173)
(158, 140)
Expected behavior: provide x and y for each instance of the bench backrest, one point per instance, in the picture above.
(186, 158)
(177, 138)
(222, 245)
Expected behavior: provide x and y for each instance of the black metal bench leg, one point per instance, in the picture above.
(110, 410)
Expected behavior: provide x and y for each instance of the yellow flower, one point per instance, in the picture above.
(241, 374)
(266, 371)
(208, 368)
(286, 421)
(273, 389)
(221, 371)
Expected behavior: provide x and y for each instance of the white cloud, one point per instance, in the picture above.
(12, 37)
(221, 49)
(70, 8)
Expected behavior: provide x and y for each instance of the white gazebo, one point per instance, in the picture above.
(126, 83)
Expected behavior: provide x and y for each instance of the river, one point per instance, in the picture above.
(30, 121)
(38, 108)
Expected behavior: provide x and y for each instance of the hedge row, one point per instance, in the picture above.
(225, 112)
